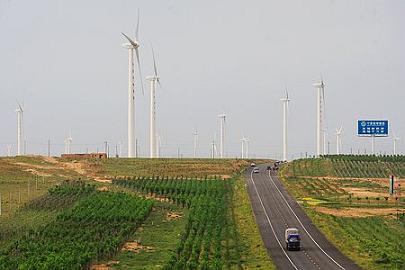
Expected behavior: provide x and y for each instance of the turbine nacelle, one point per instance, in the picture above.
(319, 84)
(152, 78)
(131, 44)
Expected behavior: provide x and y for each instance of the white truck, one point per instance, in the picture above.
(292, 239)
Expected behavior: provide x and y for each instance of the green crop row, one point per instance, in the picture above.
(209, 240)
(93, 229)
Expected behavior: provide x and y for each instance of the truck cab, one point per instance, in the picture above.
(292, 239)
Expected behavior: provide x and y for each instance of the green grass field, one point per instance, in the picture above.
(233, 234)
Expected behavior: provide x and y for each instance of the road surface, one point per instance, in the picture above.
(276, 210)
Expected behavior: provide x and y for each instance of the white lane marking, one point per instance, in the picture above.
(310, 236)
(268, 220)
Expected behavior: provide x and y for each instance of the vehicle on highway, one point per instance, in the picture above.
(292, 239)
(256, 169)
(252, 164)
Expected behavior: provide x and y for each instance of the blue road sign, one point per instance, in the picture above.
(377, 128)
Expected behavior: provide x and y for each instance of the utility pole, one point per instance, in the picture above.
(49, 147)
(136, 148)
(195, 143)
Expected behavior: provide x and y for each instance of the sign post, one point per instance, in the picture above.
(373, 129)
(392, 180)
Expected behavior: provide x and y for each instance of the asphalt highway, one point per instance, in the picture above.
(275, 210)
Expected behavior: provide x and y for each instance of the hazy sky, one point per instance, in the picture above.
(64, 61)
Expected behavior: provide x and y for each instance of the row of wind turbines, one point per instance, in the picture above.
(132, 45)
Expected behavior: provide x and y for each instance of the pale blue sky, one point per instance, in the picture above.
(64, 61)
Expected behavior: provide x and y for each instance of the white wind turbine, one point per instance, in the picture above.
(68, 143)
(395, 144)
(222, 134)
(20, 114)
(214, 151)
(195, 143)
(339, 140)
(320, 86)
(132, 45)
(285, 101)
(152, 136)
(245, 147)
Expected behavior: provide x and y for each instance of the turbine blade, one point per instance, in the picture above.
(154, 61)
(137, 28)
(155, 67)
(139, 69)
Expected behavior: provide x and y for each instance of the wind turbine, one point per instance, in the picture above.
(68, 143)
(214, 151)
(132, 45)
(285, 101)
(245, 146)
(320, 86)
(395, 144)
(152, 136)
(338, 133)
(221, 146)
(20, 113)
(195, 143)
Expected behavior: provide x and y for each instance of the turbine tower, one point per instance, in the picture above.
(222, 132)
(195, 143)
(132, 45)
(245, 147)
(285, 101)
(20, 113)
(320, 86)
(68, 143)
(339, 140)
(152, 136)
(395, 144)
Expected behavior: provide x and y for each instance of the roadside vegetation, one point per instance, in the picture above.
(347, 198)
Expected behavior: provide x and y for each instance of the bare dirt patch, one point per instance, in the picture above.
(104, 188)
(357, 212)
(38, 173)
(364, 192)
(173, 216)
(104, 266)
(136, 247)
(156, 197)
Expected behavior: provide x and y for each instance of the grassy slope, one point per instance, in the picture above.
(159, 233)
(373, 243)
(26, 178)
